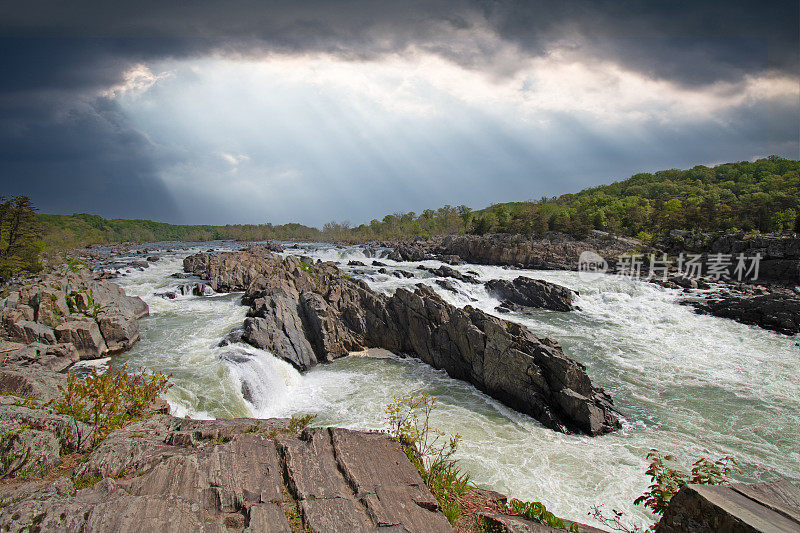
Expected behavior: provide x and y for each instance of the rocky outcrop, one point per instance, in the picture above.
(93, 314)
(445, 271)
(760, 507)
(528, 292)
(780, 254)
(307, 314)
(170, 474)
(554, 252)
(33, 439)
(778, 311)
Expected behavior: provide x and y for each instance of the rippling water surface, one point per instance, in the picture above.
(686, 384)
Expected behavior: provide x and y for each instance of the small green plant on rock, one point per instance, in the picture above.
(428, 449)
(299, 422)
(109, 400)
(667, 478)
(86, 480)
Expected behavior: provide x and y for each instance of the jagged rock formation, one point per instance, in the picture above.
(307, 314)
(780, 254)
(170, 474)
(529, 292)
(93, 315)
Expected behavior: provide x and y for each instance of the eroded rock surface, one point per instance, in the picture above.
(768, 507)
(79, 308)
(311, 313)
(181, 475)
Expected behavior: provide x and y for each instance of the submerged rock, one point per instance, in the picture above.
(530, 292)
(307, 314)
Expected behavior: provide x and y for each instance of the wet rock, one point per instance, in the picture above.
(355, 263)
(445, 271)
(530, 292)
(410, 252)
(232, 338)
(138, 263)
(378, 264)
(775, 312)
(153, 258)
(446, 285)
(168, 295)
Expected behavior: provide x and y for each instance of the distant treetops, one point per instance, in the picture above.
(763, 195)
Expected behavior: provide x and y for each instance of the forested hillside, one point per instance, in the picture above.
(69, 231)
(763, 195)
(750, 196)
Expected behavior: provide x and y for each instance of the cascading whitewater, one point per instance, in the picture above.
(688, 384)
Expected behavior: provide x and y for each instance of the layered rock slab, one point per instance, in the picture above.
(233, 475)
(312, 313)
(767, 507)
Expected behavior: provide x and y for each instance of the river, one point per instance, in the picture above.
(687, 384)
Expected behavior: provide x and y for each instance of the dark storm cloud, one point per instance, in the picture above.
(72, 149)
(69, 150)
(689, 42)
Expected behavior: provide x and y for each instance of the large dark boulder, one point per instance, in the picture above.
(776, 312)
(530, 292)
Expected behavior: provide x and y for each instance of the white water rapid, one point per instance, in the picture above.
(686, 384)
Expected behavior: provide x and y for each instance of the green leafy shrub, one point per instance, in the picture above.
(667, 478)
(428, 449)
(538, 512)
(110, 400)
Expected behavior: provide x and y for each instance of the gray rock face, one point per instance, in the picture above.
(307, 314)
(233, 475)
(32, 440)
(79, 308)
(555, 252)
(772, 507)
(85, 336)
(529, 292)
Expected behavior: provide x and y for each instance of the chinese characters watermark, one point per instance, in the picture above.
(719, 267)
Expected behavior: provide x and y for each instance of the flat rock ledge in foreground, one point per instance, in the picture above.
(312, 313)
(179, 475)
(767, 507)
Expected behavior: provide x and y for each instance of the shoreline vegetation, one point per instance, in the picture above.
(750, 197)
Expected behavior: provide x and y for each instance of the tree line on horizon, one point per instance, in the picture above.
(759, 196)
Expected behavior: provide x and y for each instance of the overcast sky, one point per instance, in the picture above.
(254, 111)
